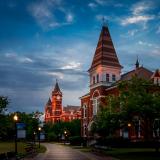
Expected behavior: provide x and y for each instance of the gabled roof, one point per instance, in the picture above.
(56, 89)
(105, 53)
(140, 72)
(156, 73)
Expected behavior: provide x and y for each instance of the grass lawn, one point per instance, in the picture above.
(10, 146)
(134, 153)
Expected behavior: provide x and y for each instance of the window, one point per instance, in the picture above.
(85, 130)
(97, 78)
(107, 77)
(113, 77)
(85, 111)
(156, 128)
(95, 106)
(93, 79)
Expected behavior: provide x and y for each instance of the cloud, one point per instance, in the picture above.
(132, 32)
(141, 7)
(17, 58)
(139, 14)
(150, 45)
(92, 5)
(34, 74)
(69, 17)
(72, 65)
(100, 2)
(137, 19)
(45, 15)
(145, 44)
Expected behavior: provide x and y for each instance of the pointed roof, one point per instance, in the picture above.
(156, 73)
(56, 88)
(49, 102)
(137, 63)
(105, 53)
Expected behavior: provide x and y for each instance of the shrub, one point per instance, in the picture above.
(76, 140)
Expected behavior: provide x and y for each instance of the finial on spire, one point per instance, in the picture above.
(137, 62)
(104, 21)
(56, 80)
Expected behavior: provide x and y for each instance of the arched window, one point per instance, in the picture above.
(95, 106)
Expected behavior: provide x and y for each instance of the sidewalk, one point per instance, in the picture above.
(61, 152)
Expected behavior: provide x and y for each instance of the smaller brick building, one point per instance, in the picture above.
(55, 112)
(104, 73)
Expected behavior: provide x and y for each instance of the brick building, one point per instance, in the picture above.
(55, 112)
(104, 72)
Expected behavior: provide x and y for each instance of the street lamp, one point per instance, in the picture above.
(15, 118)
(129, 124)
(39, 130)
(129, 131)
(34, 134)
(65, 136)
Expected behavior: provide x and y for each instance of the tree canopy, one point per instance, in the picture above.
(3, 104)
(137, 97)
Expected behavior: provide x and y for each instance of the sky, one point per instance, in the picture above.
(45, 40)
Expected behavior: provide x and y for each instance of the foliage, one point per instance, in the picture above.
(7, 128)
(56, 130)
(76, 140)
(3, 104)
(136, 97)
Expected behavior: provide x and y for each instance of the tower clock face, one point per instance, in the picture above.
(58, 97)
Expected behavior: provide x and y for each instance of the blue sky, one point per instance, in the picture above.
(41, 40)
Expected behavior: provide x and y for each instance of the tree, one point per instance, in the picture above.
(54, 131)
(3, 104)
(137, 98)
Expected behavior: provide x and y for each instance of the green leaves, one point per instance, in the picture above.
(3, 103)
(136, 97)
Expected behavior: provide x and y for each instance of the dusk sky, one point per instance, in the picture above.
(45, 40)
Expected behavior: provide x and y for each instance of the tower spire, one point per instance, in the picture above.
(137, 63)
(56, 88)
(105, 54)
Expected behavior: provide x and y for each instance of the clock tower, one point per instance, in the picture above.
(57, 103)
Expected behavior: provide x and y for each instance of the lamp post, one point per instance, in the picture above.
(129, 130)
(15, 118)
(65, 136)
(39, 130)
(34, 134)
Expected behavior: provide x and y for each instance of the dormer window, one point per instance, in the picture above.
(113, 77)
(107, 77)
(97, 78)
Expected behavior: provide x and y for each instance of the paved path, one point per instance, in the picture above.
(61, 152)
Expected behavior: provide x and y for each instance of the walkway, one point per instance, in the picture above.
(61, 152)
